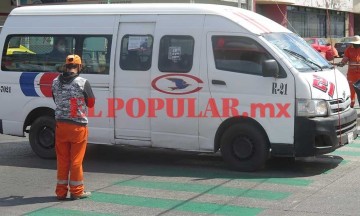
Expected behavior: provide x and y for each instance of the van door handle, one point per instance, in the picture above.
(218, 82)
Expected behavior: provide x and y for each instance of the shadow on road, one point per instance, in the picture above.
(20, 200)
(151, 162)
(186, 164)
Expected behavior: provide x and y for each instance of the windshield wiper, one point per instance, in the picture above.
(301, 57)
(331, 67)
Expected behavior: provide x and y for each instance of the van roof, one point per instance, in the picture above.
(248, 19)
(151, 8)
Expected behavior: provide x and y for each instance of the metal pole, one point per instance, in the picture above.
(250, 5)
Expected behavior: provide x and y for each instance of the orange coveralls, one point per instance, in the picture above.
(72, 95)
(352, 55)
(70, 151)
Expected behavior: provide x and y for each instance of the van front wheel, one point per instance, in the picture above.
(244, 147)
(42, 137)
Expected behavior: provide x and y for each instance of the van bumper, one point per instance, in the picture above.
(321, 135)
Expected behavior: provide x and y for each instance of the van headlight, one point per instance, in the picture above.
(311, 108)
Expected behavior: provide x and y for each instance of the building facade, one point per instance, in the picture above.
(312, 18)
(307, 18)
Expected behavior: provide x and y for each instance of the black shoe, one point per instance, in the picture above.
(82, 196)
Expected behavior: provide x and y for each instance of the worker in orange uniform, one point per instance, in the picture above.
(352, 56)
(72, 95)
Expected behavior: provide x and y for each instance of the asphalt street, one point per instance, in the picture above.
(129, 181)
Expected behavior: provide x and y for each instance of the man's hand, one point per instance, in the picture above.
(340, 64)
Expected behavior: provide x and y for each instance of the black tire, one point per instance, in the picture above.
(42, 137)
(244, 147)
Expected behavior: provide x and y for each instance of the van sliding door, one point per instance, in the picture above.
(176, 83)
(132, 80)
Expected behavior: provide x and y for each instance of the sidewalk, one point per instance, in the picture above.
(357, 108)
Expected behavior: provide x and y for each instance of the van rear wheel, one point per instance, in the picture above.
(244, 147)
(42, 137)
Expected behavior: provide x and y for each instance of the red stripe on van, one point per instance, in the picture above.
(46, 83)
(249, 19)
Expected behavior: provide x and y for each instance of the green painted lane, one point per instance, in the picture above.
(207, 189)
(347, 153)
(343, 162)
(65, 212)
(194, 173)
(176, 205)
(353, 145)
(284, 181)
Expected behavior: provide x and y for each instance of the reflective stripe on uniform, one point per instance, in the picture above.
(353, 62)
(76, 183)
(62, 182)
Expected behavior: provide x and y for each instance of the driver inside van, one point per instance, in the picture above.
(59, 53)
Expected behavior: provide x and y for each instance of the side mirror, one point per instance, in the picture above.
(270, 68)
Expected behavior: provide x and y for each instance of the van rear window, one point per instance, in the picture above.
(47, 53)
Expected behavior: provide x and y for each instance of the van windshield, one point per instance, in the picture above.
(300, 54)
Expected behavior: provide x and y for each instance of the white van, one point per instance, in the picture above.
(192, 77)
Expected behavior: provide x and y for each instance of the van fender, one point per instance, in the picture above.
(232, 121)
(35, 108)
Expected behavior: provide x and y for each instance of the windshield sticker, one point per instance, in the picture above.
(137, 42)
(174, 54)
(323, 85)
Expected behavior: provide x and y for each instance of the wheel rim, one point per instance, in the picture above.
(243, 148)
(46, 137)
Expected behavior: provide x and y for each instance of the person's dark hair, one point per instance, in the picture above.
(57, 40)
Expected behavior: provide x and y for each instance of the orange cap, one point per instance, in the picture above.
(73, 59)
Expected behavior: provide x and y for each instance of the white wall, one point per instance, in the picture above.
(356, 7)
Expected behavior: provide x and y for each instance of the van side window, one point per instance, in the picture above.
(136, 52)
(238, 54)
(38, 53)
(176, 53)
(47, 53)
(96, 55)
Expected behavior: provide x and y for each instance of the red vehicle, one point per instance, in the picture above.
(320, 44)
(323, 47)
